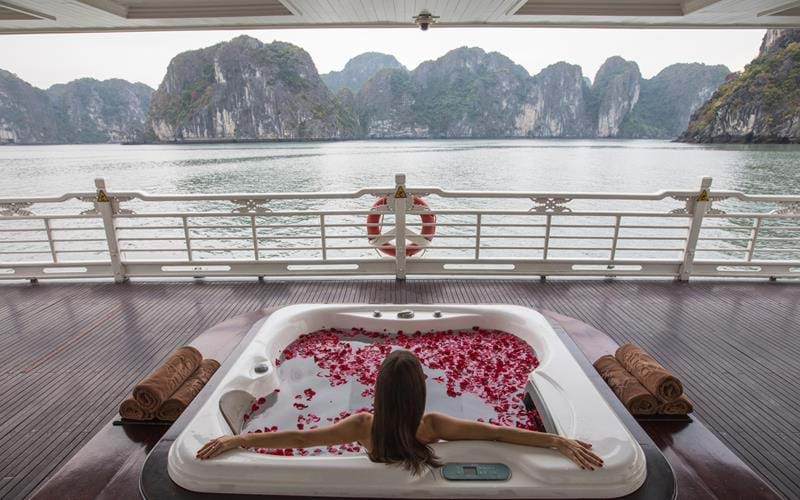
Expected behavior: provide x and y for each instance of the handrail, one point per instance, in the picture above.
(145, 196)
(417, 190)
(251, 237)
(606, 195)
(380, 191)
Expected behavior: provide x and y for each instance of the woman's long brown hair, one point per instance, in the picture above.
(399, 406)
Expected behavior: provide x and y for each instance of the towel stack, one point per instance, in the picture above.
(169, 389)
(642, 384)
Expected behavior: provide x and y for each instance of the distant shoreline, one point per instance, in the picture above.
(278, 141)
(721, 141)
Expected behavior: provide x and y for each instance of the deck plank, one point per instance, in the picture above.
(70, 352)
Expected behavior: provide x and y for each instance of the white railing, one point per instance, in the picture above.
(677, 234)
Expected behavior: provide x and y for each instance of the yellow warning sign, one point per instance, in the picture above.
(400, 192)
(101, 196)
(703, 195)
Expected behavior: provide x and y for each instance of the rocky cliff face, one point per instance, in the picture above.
(387, 106)
(557, 104)
(762, 104)
(667, 101)
(26, 113)
(107, 111)
(245, 89)
(469, 93)
(358, 70)
(82, 111)
(616, 91)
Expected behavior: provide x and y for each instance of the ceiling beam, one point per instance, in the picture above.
(776, 11)
(160, 9)
(26, 11)
(624, 8)
(692, 6)
(107, 6)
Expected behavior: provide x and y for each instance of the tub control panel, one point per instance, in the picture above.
(476, 472)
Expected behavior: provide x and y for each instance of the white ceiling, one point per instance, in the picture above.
(44, 16)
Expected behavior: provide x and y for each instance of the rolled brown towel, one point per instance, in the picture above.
(681, 406)
(172, 408)
(165, 380)
(131, 410)
(630, 391)
(654, 377)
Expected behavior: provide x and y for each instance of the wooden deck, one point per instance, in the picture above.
(70, 352)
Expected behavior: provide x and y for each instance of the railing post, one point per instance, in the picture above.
(323, 237)
(104, 204)
(478, 224)
(187, 237)
(699, 206)
(254, 235)
(546, 245)
(49, 231)
(751, 245)
(399, 198)
(614, 242)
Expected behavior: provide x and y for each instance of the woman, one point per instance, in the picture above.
(399, 431)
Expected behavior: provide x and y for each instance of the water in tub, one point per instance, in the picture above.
(329, 374)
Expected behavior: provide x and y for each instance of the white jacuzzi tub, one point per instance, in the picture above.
(565, 397)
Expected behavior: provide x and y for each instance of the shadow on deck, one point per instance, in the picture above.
(71, 351)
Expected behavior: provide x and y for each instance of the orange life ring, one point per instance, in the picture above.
(389, 248)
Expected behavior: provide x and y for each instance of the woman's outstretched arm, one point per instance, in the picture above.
(457, 429)
(346, 431)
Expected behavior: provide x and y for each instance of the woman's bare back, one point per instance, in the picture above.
(425, 432)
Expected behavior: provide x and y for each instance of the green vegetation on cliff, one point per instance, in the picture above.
(91, 111)
(760, 104)
(81, 111)
(358, 70)
(245, 89)
(667, 100)
(471, 93)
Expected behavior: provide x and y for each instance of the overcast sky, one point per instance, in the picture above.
(47, 59)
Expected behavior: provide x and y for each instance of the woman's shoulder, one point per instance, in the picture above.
(357, 422)
(433, 419)
(363, 424)
(427, 432)
(362, 419)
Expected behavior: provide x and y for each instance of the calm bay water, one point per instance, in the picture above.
(540, 165)
(493, 165)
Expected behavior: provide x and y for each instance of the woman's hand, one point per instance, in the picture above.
(579, 452)
(218, 446)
